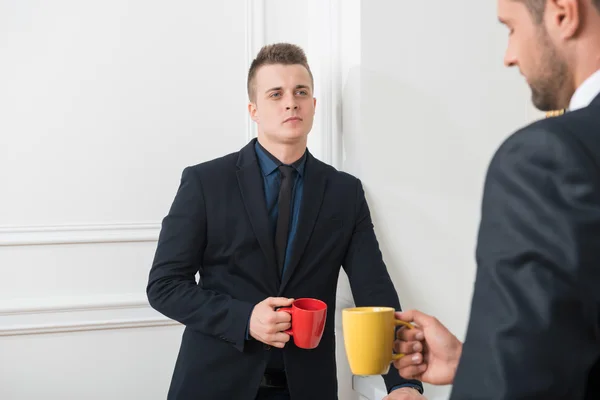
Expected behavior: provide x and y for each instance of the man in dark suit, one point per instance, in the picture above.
(534, 329)
(263, 226)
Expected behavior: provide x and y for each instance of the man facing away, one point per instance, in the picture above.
(534, 329)
(264, 226)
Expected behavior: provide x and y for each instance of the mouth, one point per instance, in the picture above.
(290, 119)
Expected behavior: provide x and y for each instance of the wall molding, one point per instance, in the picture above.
(53, 315)
(78, 234)
(255, 39)
(325, 61)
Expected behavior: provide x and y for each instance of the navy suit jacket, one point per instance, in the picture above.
(218, 226)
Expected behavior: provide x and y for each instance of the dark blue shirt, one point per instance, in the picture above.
(272, 181)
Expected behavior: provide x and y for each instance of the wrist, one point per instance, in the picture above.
(456, 360)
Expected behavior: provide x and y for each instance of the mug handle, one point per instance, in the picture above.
(397, 322)
(289, 311)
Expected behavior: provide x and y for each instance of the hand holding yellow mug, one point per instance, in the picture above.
(369, 334)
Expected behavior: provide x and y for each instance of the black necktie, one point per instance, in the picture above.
(284, 204)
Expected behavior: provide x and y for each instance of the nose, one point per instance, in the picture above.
(291, 103)
(509, 59)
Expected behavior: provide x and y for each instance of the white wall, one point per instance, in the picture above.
(425, 106)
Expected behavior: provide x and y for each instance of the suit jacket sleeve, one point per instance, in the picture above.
(172, 288)
(533, 330)
(369, 279)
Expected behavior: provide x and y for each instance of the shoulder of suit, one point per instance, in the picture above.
(561, 125)
(556, 133)
(333, 172)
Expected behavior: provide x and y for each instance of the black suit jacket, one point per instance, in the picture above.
(218, 226)
(534, 330)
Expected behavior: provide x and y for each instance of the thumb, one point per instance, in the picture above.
(279, 301)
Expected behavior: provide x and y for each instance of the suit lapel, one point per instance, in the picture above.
(251, 186)
(312, 198)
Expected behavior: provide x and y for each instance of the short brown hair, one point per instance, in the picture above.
(277, 53)
(537, 8)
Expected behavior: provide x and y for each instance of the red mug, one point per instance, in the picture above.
(308, 322)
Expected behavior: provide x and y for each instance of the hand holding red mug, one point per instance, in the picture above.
(304, 319)
(267, 325)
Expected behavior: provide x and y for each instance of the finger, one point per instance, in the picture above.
(282, 316)
(403, 347)
(410, 335)
(278, 301)
(282, 326)
(279, 339)
(409, 361)
(412, 372)
(273, 328)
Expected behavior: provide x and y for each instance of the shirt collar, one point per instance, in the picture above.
(269, 163)
(586, 92)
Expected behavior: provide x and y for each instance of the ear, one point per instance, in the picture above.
(253, 111)
(314, 103)
(563, 17)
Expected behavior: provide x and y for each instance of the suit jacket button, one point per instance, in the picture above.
(266, 347)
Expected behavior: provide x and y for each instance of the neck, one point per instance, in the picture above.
(587, 49)
(287, 153)
(588, 67)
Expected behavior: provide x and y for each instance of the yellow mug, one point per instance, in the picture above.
(369, 334)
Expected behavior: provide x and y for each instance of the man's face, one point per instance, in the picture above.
(531, 49)
(284, 106)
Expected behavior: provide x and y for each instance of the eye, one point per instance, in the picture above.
(275, 94)
(302, 92)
